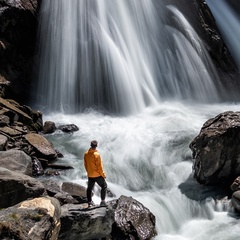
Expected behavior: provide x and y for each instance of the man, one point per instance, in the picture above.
(94, 167)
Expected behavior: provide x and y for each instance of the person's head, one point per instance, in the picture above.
(94, 144)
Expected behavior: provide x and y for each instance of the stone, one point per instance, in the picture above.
(42, 145)
(235, 185)
(68, 128)
(3, 142)
(79, 222)
(16, 187)
(37, 219)
(235, 200)
(75, 190)
(132, 220)
(16, 160)
(49, 127)
(216, 151)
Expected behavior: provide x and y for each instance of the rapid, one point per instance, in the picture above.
(135, 76)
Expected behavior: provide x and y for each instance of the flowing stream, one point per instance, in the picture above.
(134, 75)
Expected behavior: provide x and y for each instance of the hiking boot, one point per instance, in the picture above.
(91, 204)
(103, 204)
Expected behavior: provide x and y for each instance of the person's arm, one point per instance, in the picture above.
(100, 166)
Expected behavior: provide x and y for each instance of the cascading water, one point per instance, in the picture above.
(121, 56)
(149, 66)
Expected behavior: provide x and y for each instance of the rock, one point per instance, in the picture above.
(49, 127)
(25, 118)
(18, 21)
(235, 200)
(75, 190)
(37, 168)
(78, 222)
(235, 185)
(54, 189)
(10, 131)
(36, 219)
(42, 145)
(16, 187)
(132, 220)
(16, 160)
(3, 142)
(68, 128)
(216, 151)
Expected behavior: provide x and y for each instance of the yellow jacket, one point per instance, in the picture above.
(93, 164)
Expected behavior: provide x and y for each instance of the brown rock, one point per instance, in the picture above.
(42, 145)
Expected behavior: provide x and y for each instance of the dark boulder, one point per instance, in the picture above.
(68, 128)
(216, 150)
(16, 187)
(132, 220)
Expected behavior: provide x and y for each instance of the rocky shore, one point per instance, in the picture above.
(48, 208)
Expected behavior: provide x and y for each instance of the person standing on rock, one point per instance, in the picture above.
(94, 167)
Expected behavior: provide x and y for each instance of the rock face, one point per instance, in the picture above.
(216, 150)
(18, 21)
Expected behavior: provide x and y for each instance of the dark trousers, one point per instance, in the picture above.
(101, 182)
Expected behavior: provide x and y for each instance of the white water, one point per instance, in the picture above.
(150, 67)
(119, 56)
(228, 22)
(146, 156)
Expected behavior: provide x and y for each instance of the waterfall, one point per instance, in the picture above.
(228, 22)
(119, 57)
(143, 63)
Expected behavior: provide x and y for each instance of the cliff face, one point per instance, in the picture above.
(18, 33)
(18, 21)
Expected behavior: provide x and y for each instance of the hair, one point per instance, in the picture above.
(94, 144)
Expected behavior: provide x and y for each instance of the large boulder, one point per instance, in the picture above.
(16, 187)
(42, 145)
(36, 219)
(16, 160)
(216, 150)
(79, 222)
(132, 220)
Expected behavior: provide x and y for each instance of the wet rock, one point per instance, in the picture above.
(36, 219)
(37, 169)
(42, 145)
(16, 187)
(68, 128)
(132, 220)
(49, 127)
(216, 151)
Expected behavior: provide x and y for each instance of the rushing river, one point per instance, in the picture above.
(146, 156)
(134, 75)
